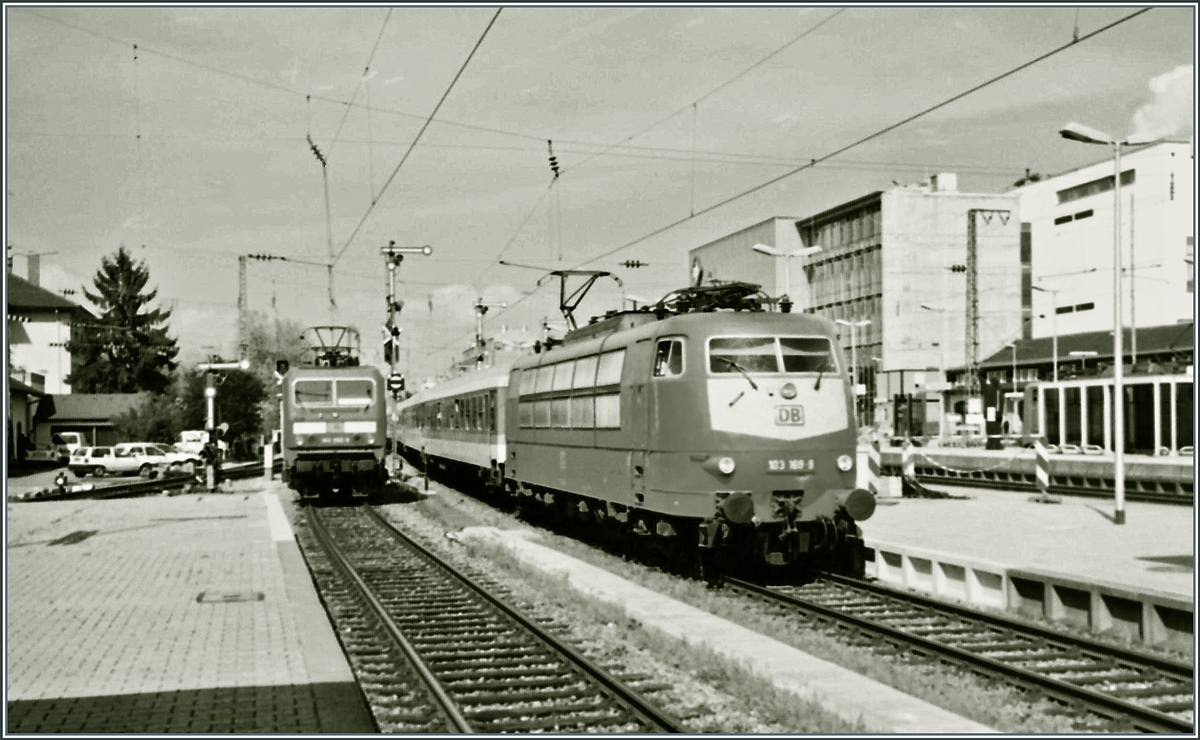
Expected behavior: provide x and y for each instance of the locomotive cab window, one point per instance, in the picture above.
(742, 354)
(770, 355)
(668, 358)
(355, 392)
(313, 392)
(806, 354)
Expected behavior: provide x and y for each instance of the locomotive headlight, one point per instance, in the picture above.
(845, 462)
(726, 465)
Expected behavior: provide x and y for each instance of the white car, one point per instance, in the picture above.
(46, 454)
(143, 458)
(94, 460)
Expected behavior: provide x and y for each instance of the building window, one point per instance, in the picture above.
(1065, 309)
(1063, 220)
(1095, 187)
(1084, 306)
(1083, 214)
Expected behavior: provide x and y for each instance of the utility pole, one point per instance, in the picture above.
(241, 305)
(973, 293)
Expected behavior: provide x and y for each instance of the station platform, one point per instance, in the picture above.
(170, 613)
(1065, 561)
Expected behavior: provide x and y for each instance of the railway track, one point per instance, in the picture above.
(1126, 690)
(435, 652)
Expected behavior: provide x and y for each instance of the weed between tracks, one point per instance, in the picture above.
(983, 700)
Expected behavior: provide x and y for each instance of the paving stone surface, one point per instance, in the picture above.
(165, 614)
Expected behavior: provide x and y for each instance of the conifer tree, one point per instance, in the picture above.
(128, 349)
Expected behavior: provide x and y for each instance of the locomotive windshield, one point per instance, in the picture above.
(770, 355)
(355, 392)
(314, 392)
(350, 392)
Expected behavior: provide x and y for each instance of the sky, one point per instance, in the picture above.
(184, 134)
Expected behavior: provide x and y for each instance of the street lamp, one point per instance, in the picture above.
(1054, 323)
(1087, 135)
(1014, 364)
(854, 355)
(787, 270)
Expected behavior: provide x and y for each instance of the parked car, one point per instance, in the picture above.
(94, 460)
(139, 457)
(71, 440)
(177, 456)
(43, 454)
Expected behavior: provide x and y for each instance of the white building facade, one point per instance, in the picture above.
(1069, 220)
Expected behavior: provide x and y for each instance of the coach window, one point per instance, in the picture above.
(545, 379)
(609, 370)
(585, 372)
(668, 359)
(560, 412)
(541, 413)
(583, 412)
(525, 413)
(313, 392)
(608, 411)
(562, 375)
(528, 375)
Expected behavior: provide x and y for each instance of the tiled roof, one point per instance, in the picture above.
(93, 406)
(25, 297)
(18, 386)
(1151, 340)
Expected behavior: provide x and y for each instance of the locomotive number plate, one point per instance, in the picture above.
(792, 416)
(790, 466)
(337, 440)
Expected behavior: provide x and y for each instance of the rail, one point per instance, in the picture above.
(1129, 689)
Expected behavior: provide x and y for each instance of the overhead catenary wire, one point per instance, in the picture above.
(362, 81)
(718, 88)
(417, 138)
(859, 142)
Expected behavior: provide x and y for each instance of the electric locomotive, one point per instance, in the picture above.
(334, 420)
(703, 424)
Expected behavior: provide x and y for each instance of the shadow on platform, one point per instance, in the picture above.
(322, 707)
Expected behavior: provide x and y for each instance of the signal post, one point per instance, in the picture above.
(391, 346)
(210, 399)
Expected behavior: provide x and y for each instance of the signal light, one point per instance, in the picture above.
(958, 268)
(634, 263)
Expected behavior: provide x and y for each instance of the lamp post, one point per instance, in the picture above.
(1014, 364)
(1053, 323)
(854, 357)
(1087, 135)
(787, 270)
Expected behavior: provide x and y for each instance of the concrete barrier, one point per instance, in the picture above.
(1150, 617)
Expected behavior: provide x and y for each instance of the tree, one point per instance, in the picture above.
(128, 350)
(269, 340)
(240, 395)
(158, 418)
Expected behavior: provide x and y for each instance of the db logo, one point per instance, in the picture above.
(789, 415)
